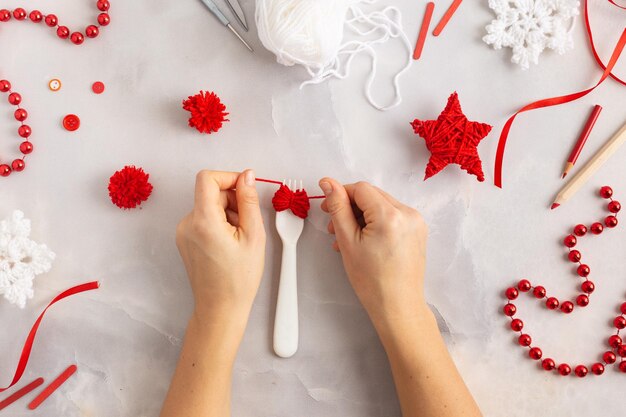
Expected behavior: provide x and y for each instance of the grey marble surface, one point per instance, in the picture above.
(125, 337)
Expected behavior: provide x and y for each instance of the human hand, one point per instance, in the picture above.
(383, 246)
(222, 244)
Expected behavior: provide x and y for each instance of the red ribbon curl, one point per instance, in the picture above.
(555, 101)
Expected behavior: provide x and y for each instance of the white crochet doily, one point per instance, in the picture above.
(531, 26)
(21, 259)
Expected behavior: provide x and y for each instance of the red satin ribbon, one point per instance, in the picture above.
(562, 99)
(30, 340)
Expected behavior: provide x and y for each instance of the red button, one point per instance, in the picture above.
(71, 122)
(98, 87)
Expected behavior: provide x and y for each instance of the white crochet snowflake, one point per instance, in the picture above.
(21, 259)
(531, 26)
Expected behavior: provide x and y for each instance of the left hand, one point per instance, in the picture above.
(222, 244)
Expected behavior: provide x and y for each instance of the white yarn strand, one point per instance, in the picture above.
(297, 32)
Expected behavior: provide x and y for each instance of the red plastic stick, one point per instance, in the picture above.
(421, 40)
(47, 391)
(446, 17)
(20, 393)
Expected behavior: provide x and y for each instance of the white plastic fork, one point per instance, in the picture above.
(289, 227)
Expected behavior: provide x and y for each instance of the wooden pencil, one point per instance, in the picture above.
(609, 148)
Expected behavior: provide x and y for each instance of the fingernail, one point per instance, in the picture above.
(250, 178)
(326, 187)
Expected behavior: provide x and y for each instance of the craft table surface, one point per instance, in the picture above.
(125, 337)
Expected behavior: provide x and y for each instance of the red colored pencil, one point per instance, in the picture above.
(20, 393)
(446, 17)
(52, 387)
(421, 40)
(584, 135)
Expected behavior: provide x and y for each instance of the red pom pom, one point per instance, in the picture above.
(296, 201)
(129, 187)
(207, 112)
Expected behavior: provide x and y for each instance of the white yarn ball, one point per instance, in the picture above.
(305, 32)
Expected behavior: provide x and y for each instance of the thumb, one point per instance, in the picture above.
(250, 219)
(340, 210)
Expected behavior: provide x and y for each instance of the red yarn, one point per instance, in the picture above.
(452, 139)
(296, 201)
(207, 112)
(129, 187)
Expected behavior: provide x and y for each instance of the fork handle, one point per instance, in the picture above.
(286, 321)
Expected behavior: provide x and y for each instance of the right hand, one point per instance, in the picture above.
(383, 246)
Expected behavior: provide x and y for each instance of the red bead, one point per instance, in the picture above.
(5, 15)
(517, 325)
(15, 98)
(622, 366)
(524, 285)
(606, 192)
(552, 303)
(18, 165)
(26, 147)
(92, 31)
(35, 16)
(574, 256)
(5, 170)
(615, 206)
(63, 32)
(621, 350)
(587, 287)
(103, 5)
(615, 341)
(622, 308)
(548, 364)
(509, 310)
(535, 353)
(539, 292)
(104, 19)
(582, 300)
(5, 86)
(583, 270)
(71, 122)
(581, 371)
(567, 307)
(51, 20)
(611, 221)
(597, 228)
(580, 230)
(525, 340)
(619, 322)
(77, 38)
(511, 293)
(564, 369)
(597, 368)
(24, 131)
(570, 241)
(609, 357)
(20, 115)
(19, 13)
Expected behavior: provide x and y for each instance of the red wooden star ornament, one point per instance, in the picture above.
(452, 139)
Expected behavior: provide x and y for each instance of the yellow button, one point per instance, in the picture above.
(54, 84)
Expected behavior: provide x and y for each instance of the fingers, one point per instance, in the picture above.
(209, 187)
(338, 205)
(250, 219)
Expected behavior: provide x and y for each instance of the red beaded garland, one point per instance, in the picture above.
(63, 32)
(24, 131)
(582, 300)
